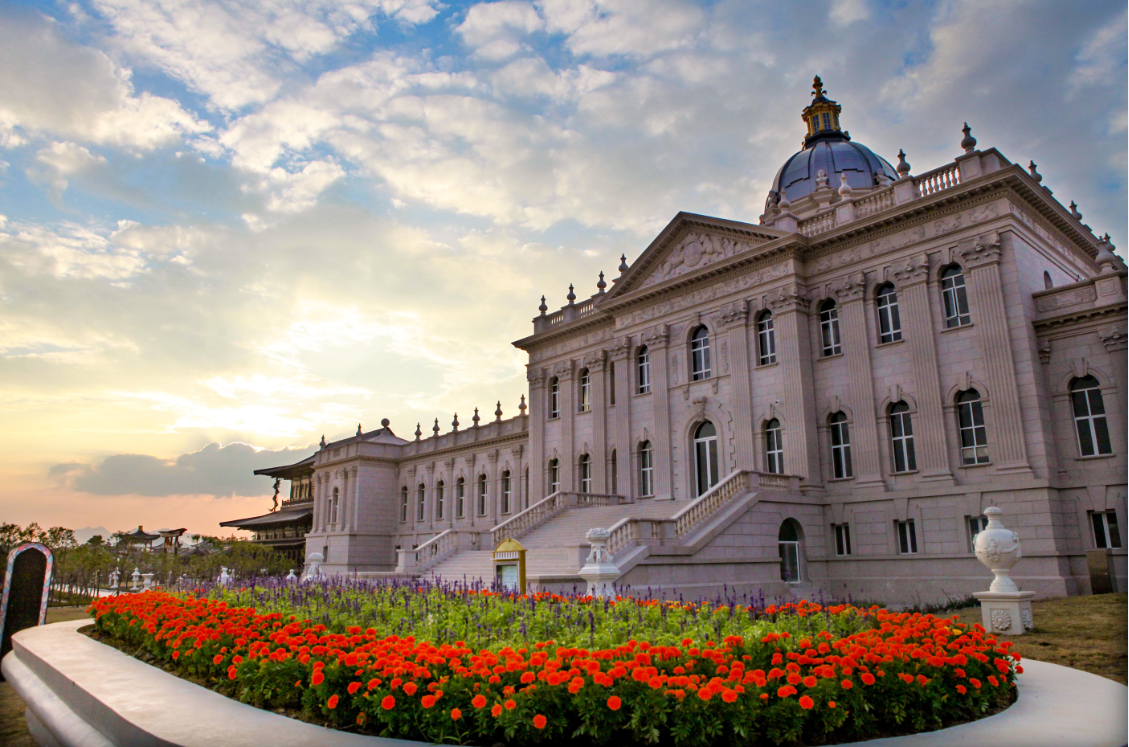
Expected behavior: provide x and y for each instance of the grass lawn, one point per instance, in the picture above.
(1087, 633)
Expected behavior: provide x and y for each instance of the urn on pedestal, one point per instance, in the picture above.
(1006, 610)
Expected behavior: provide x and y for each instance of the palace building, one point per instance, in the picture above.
(821, 402)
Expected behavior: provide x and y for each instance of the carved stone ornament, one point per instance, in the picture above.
(912, 270)
(595, 361)
(517, 451)
(620, 349)
(1001, 620)
(412, 471)
(1073, 297)
(449, 463)
(430, 467)
(656, 337)
(535, 377)
(998, 548)
(563, 371)
(696, 250)
(789, 298)
(733, 317)
(983, 250)
(1028, 623)
(1113, 337)
(850, 288)
(492, 455)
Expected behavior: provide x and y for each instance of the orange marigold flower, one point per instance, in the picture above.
(729, 695)
(479, 701)
(614, 702)
(332, 702)
(354, 687)
(410, 688)
(527, 677)
(810, 681)
(867, 678)
(510, 705)
(962, 689)
(388, 703)
(318, 678)
(764, 696)
(993, 680)
(975, 683)
(539, 721)
(831, 704)
(496, 710)
(217, 658)
(705, 693)
(456, 714)
(846, 684)
(428, 701)
(806, 703)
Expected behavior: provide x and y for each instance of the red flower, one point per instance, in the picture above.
(614, 702)
(456, 714)
(510, 705)
(388, 703)
(962, 689)
(428, 701)
(318, 678)
(539, 721)
(479, 701)
(867, 678)
(332, 702)
(496, 710)
(728, 695)
(831, 704)
(410, 688)
(354, 687)
(846, 684)
(806, 703)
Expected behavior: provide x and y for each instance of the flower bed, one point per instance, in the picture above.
(850, 674)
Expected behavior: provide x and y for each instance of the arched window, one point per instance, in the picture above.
(789, 542)
(585, 400)
(829, 328)
(889, 320)
(840, 446)
(1047, 282)
(766, 339)
(646, 470)
(705, 457)
(404, 503)
(460, 498)
(421, 497)
(482, 491)
(773, 447)
(585, 471)
(901, 438)
(611, 383)
(554, 476)
(643, 371)
(955, 297)
(506, 492)
(1089, 417)
(700, 354)
(614, 482)
(554, 398)
(334, 504)
(973, 434)
(439, 500)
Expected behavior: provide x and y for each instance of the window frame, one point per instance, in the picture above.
(971, 431)
(907, 537)
(773, 447)
(507, 492)
(830, 339)
(1110, 538)
(554, 398)
(460, 498)
(975, 525)
(646, 470)
(439, 500)
(766, 339)
(584, 390)
(954, 298)
(1096, 424)
(611, 383)
(901, 439)
(584, 473)
(707, 447)
(404, 504)
(334, 506)
(842, 540)
(483, 493)
(700, 363)
(554, 476)
(421, 498)
(643, 371)
(841, 465)
(889, 314)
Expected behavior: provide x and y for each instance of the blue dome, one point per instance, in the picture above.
(835, 155)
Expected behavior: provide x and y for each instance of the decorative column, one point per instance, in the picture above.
(1114, 336)
(599, 456)
(449, 491)
(355, 498)
(495, 481)
(563, 373)
(519, 500)
(849, 293)
(981, 257)
(536, 379)
(343, 504)
(912, 285)
(620, 353)
(657, 340)
(413, 496)
(470, 494)
(790, 314)
(735, 322)
(429, 509)
(319, 502)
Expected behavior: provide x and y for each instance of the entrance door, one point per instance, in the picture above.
(705, 457)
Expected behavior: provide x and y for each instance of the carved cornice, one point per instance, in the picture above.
(657, 337)
(737, 316)
(595, 361)
(1113, 337)
(535, 377)
(791, 297)
(911, 271)
(980, 252)
(620, 349)
(850, 288)
(563, 371)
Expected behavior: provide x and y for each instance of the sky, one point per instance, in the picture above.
(228, 228)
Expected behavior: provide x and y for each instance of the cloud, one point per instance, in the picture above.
(48, 84)
(220, 471)
(495, 30)
(60, 160)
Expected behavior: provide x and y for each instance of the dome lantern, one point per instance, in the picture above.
(822, 116)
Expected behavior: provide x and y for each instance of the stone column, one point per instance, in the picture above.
(343, 504)
(494, 480)
(735, 321)
(620, 352)
(413, 497)
(568, 420)
(917, 317)
(537, 487)
(355, 498)
(849, 293)
(470, 491)
(449, 491)
(981, 259)
(599, 456)
(793, 346)
(319, 502)
(429, 509)
(518, 499)
(657, 340)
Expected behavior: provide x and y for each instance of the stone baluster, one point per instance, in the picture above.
(929, 431)
(849, 293)
(981, 260)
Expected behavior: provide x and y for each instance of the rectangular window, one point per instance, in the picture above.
(646, 472)
(482, 495)
(840, 447)
(644, 371)
(954, 294)
(766, 339)
(1106, 533)
(585, 391)
(554, 476)
(420, 511)
(700, 355)
(404, 504)
(585, 475)
(889, 320)
(505, 492)
(907, 538)
(611, 383)
(554, 399)
(829, 330)
(901, 437)
(842, 539)
(439, 501)
(460, 498)
(976, 525)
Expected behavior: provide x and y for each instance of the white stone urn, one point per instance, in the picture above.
(313, 566)
(148, 581)
(290, 576)
(225, 577)
(599, 570)
(997, 547)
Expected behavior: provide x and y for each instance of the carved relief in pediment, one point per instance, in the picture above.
(694, 251)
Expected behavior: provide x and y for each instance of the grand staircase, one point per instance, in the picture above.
(553, 532)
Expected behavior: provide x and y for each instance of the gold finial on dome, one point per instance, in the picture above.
(821, 115)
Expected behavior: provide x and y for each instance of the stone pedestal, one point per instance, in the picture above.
(1006, 612)
(599, 570)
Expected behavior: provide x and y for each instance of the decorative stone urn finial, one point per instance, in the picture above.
(313, 566)
(385, 422)
(455, 423)
(1035, 172)
(903, 165)
(571, 295)
(475, 419)
(1105, 258)
(323, 440)
(435, 428)
(622, 263)
(599, 570)
(358, 429)
(997, 547)
(419, 432)
(543, 307)
(601, 285)
(844, 188)
(969, 142)
(1074, 213)
(498, 412)
(522, 407)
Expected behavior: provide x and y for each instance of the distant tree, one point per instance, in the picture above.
(96, 541)
(57, 538)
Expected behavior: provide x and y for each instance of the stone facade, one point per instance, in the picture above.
(1004, 301)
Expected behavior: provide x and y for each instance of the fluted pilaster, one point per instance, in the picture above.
(865, 455)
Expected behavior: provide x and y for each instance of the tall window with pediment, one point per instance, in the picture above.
(506, 492)
(1089, 417)
(585, 473)
(404, 503)
(460, 497)
(954, 297)
(585, 399)
(646, 470)
(421, 503)
(554, 476)
(901, 438)
(973, 434)
(706, 466)
(482, 494)
(643, 371)
(700, 354)
(840, 446)
(773, 447)
(889, 319)
(766, 339)
(554, 398)
(829, 328)
(439, 500)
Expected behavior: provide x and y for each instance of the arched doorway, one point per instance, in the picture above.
(789, 540)
(705, 457)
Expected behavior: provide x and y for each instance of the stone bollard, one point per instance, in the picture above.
(313, 566)
(1006, 610)
(290, 576)
(599, 570)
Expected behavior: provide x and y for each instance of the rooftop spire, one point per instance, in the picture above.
(822, 116)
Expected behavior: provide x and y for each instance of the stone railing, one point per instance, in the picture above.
(585, 308)
(937, 180)
(434, 551)
(546, 509)
(630, 532)
(874, 202)
(818, 224)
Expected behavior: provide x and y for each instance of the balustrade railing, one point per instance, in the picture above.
(937, 180)
(818, 224)
(875, 202)
(709, 502)
(435, 550)
(585, 308)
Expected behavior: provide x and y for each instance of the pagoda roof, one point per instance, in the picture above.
(290, 471)
(140, 535)
(276, 518)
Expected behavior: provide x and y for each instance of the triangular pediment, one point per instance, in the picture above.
(690, 243)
